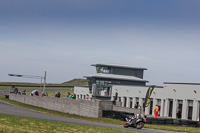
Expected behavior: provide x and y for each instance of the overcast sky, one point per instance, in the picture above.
(64, 37)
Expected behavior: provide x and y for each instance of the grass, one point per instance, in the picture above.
(37, 88)
(174, 128)
(76, 82)
(73, 82)
(104, 120)
(14, 124)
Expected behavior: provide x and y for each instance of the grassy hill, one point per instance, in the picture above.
(76, 82)
(73, 82)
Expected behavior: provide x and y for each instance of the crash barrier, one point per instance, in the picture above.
(169, 121)
(89, 108)
(116, 114)
(128, 110)
(151, 120)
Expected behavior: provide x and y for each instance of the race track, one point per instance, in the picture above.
(6, 108)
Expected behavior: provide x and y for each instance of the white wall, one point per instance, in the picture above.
(175, 92)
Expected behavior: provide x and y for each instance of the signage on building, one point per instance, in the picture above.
(147, 98)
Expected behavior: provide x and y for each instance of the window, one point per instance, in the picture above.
(104, 69)
(102, 82)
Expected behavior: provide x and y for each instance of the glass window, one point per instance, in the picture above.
(98, 69)
(97, 82)
(101, 82)
(104, 69)
(107, 82)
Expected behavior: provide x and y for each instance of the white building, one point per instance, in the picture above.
(128, 82)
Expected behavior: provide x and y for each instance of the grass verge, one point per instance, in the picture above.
(14, 124)
(103, 120)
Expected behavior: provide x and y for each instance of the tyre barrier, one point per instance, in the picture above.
(169, 121)
(192, 123)
(151, 120)
(177, 122)
(116, 114)
(184, 123)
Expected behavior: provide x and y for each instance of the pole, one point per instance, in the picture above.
(41, 85)
(45, 74)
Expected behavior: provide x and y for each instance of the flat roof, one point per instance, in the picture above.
(115, 76)
(120, 66)
(181, 83)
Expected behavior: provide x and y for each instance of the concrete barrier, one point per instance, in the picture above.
(89, 108)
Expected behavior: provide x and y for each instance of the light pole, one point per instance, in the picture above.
(32, 76)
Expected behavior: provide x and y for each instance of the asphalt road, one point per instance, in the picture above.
(6, 108)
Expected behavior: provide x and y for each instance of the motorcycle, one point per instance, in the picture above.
(135, 121)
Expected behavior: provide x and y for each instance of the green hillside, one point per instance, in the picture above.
(76, 82)
(73, 82)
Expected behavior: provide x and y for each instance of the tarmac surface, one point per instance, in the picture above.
(6, 108)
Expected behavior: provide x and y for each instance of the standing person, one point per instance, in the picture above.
(74, 96)
(87, 97)
(136, 106)
(156, 109)
(105, 94)
(178, 112)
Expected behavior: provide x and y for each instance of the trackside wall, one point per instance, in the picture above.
(89, 108)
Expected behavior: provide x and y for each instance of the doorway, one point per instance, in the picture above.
(190, 109)
(131, 102)
(125, 101)
(170, 107)
(151, 106)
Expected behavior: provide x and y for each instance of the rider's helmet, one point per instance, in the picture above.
(138, 115)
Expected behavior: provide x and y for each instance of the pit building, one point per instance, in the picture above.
(127, 81)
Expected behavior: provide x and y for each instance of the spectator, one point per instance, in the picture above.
(156, 109)
(24, 92)
(20, 92)
(36, 93)
(69, 95)
(178, 112)
(16, 90)
(87, 97)
(43, 94)
(136, 106)
(105, 94)
(58, 95)
(74, 96)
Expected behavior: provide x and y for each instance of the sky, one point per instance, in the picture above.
(64, 37)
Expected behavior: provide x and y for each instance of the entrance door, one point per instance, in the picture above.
(190, 109)
(131, 102)
(151, 107)
(170, 108)
(199, 112)
(125, 101)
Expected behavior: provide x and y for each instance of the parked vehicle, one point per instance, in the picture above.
(135, 121)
